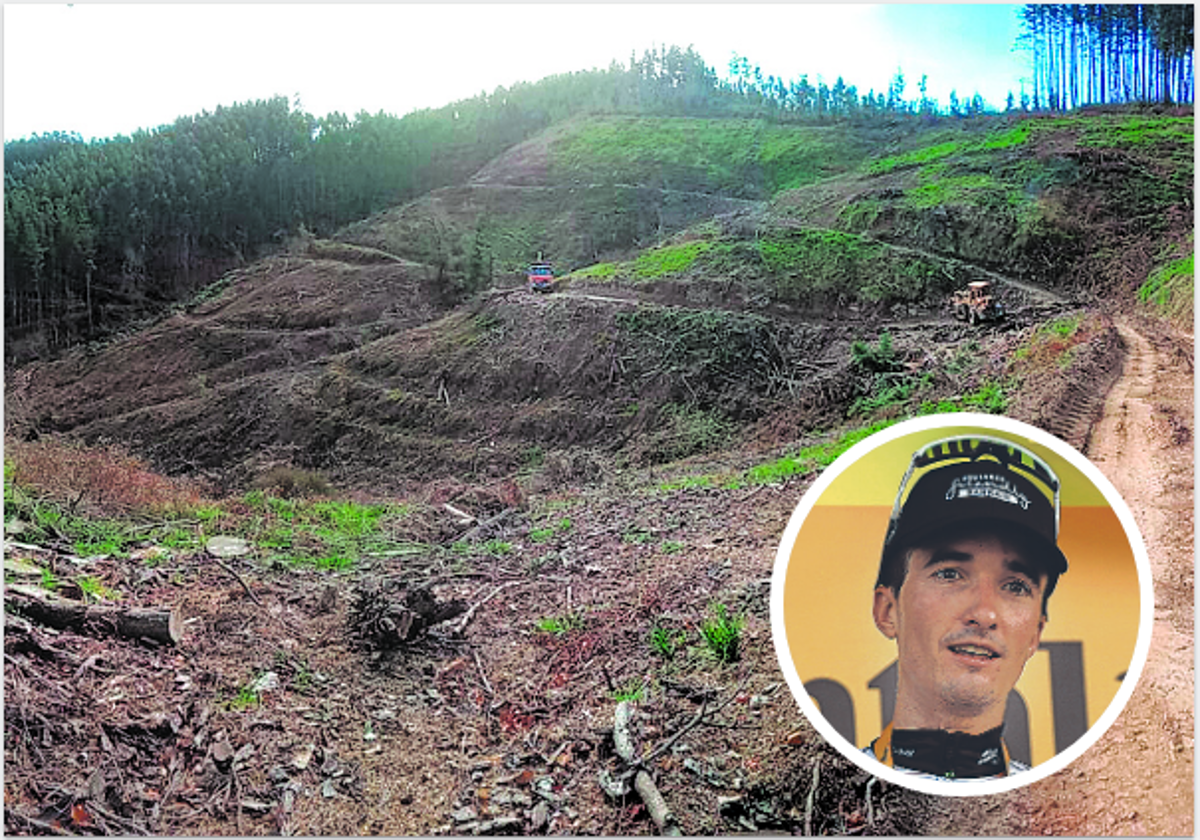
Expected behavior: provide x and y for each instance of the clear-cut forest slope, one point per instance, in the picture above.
(599, 476)
(758, 254)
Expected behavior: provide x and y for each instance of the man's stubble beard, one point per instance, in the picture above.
(967, 701)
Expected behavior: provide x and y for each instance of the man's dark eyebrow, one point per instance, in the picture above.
(1023, 568)
(945, 555)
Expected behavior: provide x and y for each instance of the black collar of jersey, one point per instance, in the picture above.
(953, 755)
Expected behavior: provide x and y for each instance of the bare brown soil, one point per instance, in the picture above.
(505, 728)
(1142, 769)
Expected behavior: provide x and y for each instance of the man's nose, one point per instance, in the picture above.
(982, 608)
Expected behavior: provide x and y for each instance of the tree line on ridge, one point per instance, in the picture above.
(96, 231)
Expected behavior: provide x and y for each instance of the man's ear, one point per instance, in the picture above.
(884, 611)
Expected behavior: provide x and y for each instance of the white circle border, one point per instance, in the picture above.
(980, 787)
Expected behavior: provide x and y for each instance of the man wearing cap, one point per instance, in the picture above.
(968, 566)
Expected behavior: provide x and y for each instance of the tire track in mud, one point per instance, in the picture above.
(1142, 768)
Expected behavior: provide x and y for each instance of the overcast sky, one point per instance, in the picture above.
(106, 69)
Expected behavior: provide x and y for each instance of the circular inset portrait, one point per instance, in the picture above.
(961, 604)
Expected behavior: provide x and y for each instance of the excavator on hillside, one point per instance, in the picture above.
(976, 303)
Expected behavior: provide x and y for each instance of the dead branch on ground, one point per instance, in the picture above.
(163, 626)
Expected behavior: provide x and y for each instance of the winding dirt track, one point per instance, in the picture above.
(1138, 778)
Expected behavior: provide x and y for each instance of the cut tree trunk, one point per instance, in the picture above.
(162, 626)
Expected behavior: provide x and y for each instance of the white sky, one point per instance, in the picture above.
(106, 69)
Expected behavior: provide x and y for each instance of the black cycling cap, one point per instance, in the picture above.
(965, 479)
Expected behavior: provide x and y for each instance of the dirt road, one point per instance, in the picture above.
(1138, 779)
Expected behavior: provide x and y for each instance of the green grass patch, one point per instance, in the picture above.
(743, 158)
(633, 691)
(541, 535)
(817, 456)
(785, 467)
(793, 158)
(1131, 131)
(816, 263)
(334, 562)
(668, 259)
(665, 642)
(559, 625)
(1062, 328)
(979, 189)
(937, 407)
(497, 548)
(688, 482)
(1171, 287)
(990, 397)
(599, 271)
(916, 157)
(722, 634)
(1016, 136)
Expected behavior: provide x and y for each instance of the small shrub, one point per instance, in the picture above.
(246, 698)
(49, 581)
(101, 480)
(633, 691)
(665, 642)
(497, 548)
(723, 634)
(559, 625)
(291, 482)
(540, 535)
(1062, 327)
(90, 585)
(878, 358)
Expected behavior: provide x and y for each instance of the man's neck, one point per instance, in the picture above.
(912, 714)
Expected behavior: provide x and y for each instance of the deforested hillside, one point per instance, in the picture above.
(602, 186)
(733, 289)
(419, 528)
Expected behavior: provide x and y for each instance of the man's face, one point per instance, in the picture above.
(966, 620)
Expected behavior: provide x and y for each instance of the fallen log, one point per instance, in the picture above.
(136, 623)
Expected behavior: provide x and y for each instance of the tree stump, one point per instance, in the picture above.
(388, 614)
